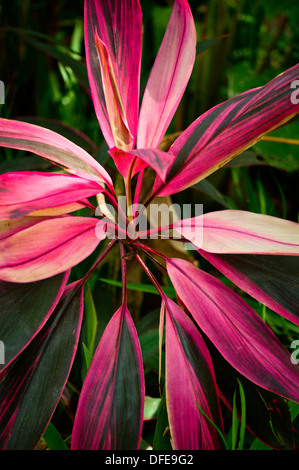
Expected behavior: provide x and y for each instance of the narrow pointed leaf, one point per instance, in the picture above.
(236, 330)
(117, 119)
(228, 129)
(31, 386)
(272, 280)
(24, 192)
(234, 231)
(169, 76)
(24, 310)
(52, 147)
(113, 40)
(52, 246)
(190, 384)
(110, 409)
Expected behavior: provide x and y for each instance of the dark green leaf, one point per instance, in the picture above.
(30, 387)
(24, 308)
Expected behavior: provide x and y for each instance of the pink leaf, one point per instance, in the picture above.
(110, 409)
(235, 329)
(116, 114)
(24, 192)
(169, 76)
(113, 41)
(228, 129)
(234, 231)
(190, 384)
(51, 247)
(158, 160)
(53, 147)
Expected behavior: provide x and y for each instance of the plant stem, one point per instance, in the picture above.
(122, 218)
(151, 250)
(98, 261)
(151, 277)
(124, 273)
(154, 260)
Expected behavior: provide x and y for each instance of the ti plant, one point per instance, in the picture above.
(41, 312)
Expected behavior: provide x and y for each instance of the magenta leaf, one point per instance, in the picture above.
(110, 409)
(52, 147)
(169, 76)
(129, 163)
(113, 41)
(236, 330)
(26, 191)
(52, 246)
(228, 129)
(31, 386)
(190, 384)
(234, 231)
(272, 280)
(24, 310)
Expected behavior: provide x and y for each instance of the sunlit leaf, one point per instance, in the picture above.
(24, 310)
